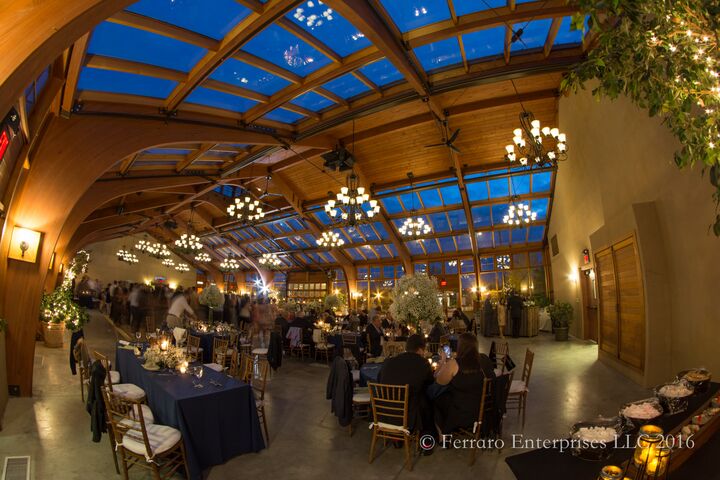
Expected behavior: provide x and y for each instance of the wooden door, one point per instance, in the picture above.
(590, 306)
(608, 301)
(631, 305)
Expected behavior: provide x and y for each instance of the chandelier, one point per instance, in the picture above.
(519, 213)
(182, 267)
(168, 262)
(503, 262)
(270, 260)
(535, 144)
(330, 240)
(229, 265)
(246, 209)
(127, 256)
(155, 250)
(414, 226)
(202, 257)
(352, 205)
(188, 243)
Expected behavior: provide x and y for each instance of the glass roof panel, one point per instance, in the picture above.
(477, 191)
(502, 237)
(534, 34)
(481, 216)
(119, 41)
(431, 246)
(414, 247)
(431, 198)
(484, 43)
(369, 252)
(243, 75)
(451, 195)
(368, 232)
(329, 27)
(347, 86)
(536, 233)
(284, 116)
(541, 182)
(408, 199)
(519, 235)
(312, 101)
(499, 187)
(354, 254)
(439, 222)
(382, 251)
(382, 72)
(411, 14)
(167, 151)
(127, 83)
(322, 216)
(447, 244)
(381, 230)
(296, 224)
(394, 253)
(439, 54)
(353, 235)
(457, 220)
(540, 206)
(566, 35)
(484, 240)
(391, 205)
(285, 50)
(498, 212)
(213, 98)
(463, 7)
(463, 243)
(520, 184)
(309, 239)
(213, 18)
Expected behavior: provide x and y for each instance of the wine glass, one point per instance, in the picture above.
(138, 336)
(198, 372)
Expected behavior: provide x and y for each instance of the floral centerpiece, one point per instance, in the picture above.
(335, 301)
(58, 307)
(212, 298)
(169, 358)
(415, 300)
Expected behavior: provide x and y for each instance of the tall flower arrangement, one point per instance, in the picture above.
(415, 300)
(211, 297)
(335, 301)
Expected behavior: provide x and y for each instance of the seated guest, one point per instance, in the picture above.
(459, 406)
(412, 369)
(438, 330)
(375, 335)
(282, 322)
(302, 322)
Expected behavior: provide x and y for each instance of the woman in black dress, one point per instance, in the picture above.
(459, 405)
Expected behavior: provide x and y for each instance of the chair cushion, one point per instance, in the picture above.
(361, 397)
(356, 375)
(196, 349)
(129, 391)
(518, 386)
(260, 351)
(214, 366)
(390, 426)
(114, 377)
(148, 417)
(324, 346)
(161, 438)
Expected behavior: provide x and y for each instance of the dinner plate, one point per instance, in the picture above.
(153, 368)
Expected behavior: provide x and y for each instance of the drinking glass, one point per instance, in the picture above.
(138, 336)
(198, 372)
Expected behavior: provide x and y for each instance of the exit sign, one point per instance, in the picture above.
(4, 142)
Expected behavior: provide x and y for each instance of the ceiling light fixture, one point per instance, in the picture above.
(538, 146)
(202, 257)
(270, 260)
(519, 212)
(155, 250)
(127, 256)
(229, 265)
(330, 240)
(414, 226)
(168, 262)
(245, 209)
(182, 267)
(352, 206)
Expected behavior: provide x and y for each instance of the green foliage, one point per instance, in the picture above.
(541, 300)
(663, 56)
(561, 314)
(335, 301)
(58, 307)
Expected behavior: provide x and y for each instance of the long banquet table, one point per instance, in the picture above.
(217, 423)
(551, 464)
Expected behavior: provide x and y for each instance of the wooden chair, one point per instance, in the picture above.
(301, 349)
(83, 369)
(517, 397)
(157, 448)
(391, 349)
(126, 390)
(432, 347)
(475, 433)
(193, 349)
(502, 350)
(259, 384)
(322, 348)
(232, 347)
(390, 417)
(360, 404)
(245, 368)
(220, 351)
(234, 368)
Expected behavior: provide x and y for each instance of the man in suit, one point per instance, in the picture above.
(375, 335)
(515, 306)
(413, 369)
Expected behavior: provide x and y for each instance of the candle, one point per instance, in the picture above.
(183, 369)
(164, 345)
(648, 441)
(658, 464)
(611, 472)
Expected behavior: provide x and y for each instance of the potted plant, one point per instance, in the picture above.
(415, 300)
(212, 298)
(59, 312)
(561, 314)
(335, 301)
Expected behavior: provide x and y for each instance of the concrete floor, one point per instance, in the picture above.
(567, 385)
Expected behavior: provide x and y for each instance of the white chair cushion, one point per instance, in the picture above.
(324, 346)
(114, 377)
(129, 391)
(196, 349)
(260, 351)
(518, 386)
(214, 366)
(148, 417)
(390, 426)
(355, 375)
(160, 437)
(362, 397)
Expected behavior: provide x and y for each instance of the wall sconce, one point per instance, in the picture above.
(573, 277)
(24, 244)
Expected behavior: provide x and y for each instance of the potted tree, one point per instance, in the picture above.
(335, 302)
(212, 298)
(58, 312)
(561, 314)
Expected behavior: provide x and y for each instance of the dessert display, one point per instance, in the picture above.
(675, 390)
(698, 378)
(674, 396)
(642, 411)
(596, 434)
(595, 439)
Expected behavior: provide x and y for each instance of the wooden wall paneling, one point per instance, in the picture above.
(607, 293)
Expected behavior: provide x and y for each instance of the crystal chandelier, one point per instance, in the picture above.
(269, 260)
(155, 250)
(330, 240)
(246, 209)
(202, 257)
(182, 267)
(535, 143)
(519, 213)
(188, 243)
(414, 226)
(127, 256)
(503, 262)
(168, 262)
(229, 265)
(352, 206)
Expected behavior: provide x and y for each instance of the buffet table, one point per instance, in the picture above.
(552, 464)
(217, 423)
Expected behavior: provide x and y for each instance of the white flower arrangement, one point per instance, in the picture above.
(169, 358)
(415, 300)
(212, 297)
(335, 301)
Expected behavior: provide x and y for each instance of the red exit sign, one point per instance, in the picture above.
(4, 142)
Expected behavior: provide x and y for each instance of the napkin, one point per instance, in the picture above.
(123, 342)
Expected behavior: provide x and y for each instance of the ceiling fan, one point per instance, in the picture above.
(266, 193)
(448, 141)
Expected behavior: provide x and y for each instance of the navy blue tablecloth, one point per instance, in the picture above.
(217, 424)
(369, 372)
(206, 343)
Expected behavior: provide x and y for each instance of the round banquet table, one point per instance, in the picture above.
(369, 372)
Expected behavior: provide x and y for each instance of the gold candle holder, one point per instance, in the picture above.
(657, 466)
(611, 472)
(648, 441)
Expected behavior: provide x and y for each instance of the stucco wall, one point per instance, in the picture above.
(105, 266)
(620, 179)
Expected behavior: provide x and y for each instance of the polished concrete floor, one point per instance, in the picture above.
(567, 385)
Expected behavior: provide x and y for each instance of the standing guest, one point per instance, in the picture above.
(142, 309)
(116, 306)
(375, 335)
(438, 330)
(134, 301)
(125, 305)
(459, 405)
(179, 308)
(194, 299)
(515, 306)
(244, 312)
(363, 317)
(412, 369)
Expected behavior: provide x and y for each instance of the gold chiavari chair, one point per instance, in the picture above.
(502, 350)
(390, 417)
(392, 349)
(432, 347)
(126, 390)
(323, 349)
(517, 397)
(157, 448)
(475, 433)
(220, 350)
(234, 368)
(83, 369)
(193, 349)
(259, 384)
(247, 362)
(232, 347)
(360, 404)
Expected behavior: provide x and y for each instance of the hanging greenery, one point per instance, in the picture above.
(663, 55)
(58, 307)
(78, 266)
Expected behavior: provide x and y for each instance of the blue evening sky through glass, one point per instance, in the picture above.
(213, 18)
(481, 216)
(463, 7)
(484, 239)
(439, 54)
(477, 191)
(127, 83)
(534, 34)
(167, 151)
(519, 235)
(484, 43)
(536, 233)
(431, 246)
(286, 50)
(520, 184)
(541, 181)
(457, 220)
(498, 187)
(463, 243)
(439, 222)
(566, 35)
(119, 41)
(451, 195)
(382, 72)
(284, 116)
(431, 198)
(225, 101)
(329, 27)
(498, 212)
(411, 14)
(414, 247)
(540, 207)
(312, 101)
(243, 75)
(347, 86)
(447, 244)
